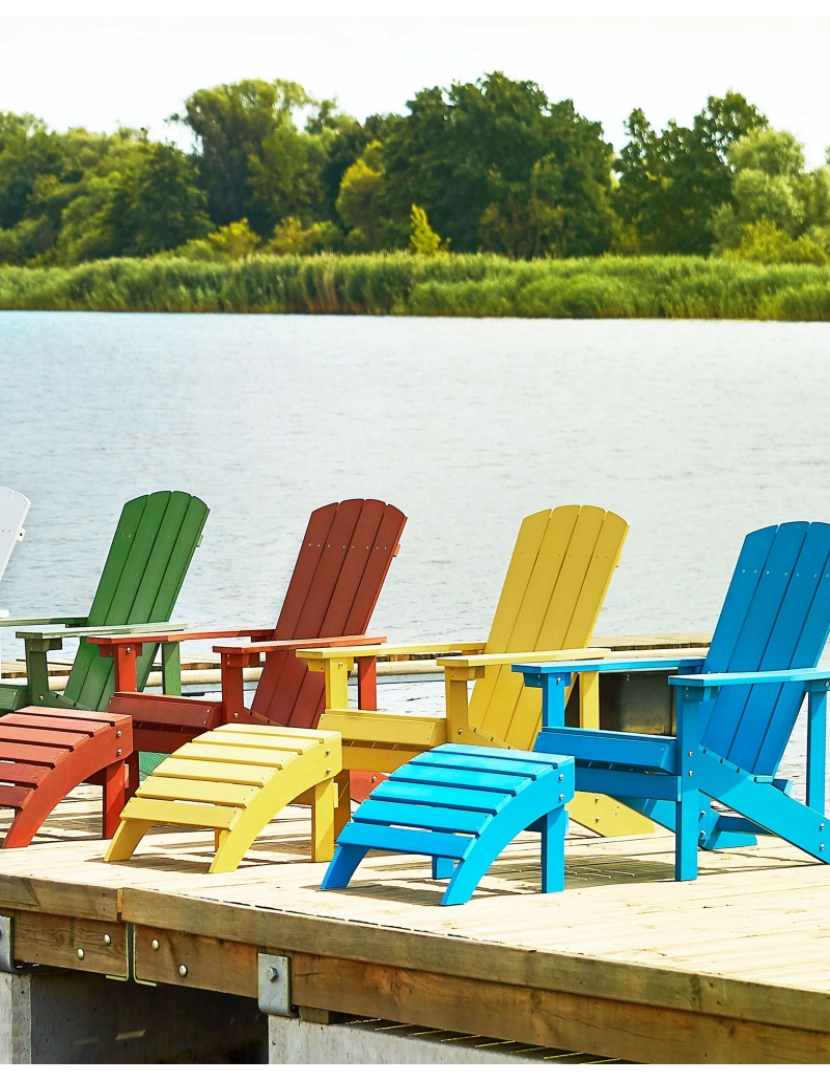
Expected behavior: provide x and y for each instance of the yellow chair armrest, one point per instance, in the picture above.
(407, 649)
(471, 667)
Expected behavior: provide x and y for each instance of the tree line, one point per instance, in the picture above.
(491, 166)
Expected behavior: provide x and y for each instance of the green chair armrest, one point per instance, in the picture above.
(69, 620)
(88, 631)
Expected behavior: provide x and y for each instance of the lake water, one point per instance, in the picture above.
(696, 432)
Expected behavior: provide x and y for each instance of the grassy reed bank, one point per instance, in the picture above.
(400, 284)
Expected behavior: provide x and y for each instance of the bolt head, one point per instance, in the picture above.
(182, 970)
(107, 939)
(236, 715)
(561, 776)
(691, 773)
(118, 752)
(273, 974)
(81, 954)
(691, 753)
(561, 798)
(154, 944)
(460, 731)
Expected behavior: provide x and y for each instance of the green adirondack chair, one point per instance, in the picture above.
(151, 551)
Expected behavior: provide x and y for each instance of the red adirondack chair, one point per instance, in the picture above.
(343, 562)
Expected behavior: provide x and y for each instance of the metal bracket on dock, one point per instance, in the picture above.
(274, 983)
(7, 945)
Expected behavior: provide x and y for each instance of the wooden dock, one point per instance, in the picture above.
(626, 964)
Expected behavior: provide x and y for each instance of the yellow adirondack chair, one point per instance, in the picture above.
(556, 583)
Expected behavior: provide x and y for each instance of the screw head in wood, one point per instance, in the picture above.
(182, 970)
(107, 939)
(154, 944)
(81, 954)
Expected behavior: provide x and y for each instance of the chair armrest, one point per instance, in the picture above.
(753, 678)
(628, 664)
(410, 649)
(69, 620)
(166, 632)
(157, 631)
(309, 644)
(474, 665)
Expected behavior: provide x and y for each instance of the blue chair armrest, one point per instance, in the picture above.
(574, 667)
(744, 678)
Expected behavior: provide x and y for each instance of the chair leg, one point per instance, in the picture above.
(126, 839)
(686, 828)
(322, 821)
(346, 860)
(133, 775)
(442, 867)
(343, 810)
(553, 827)
(114, 797)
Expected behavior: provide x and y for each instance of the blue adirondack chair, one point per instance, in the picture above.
(735, 713)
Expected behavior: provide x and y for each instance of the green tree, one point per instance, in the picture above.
(765, 243)
(775, 204)
(146, 203)
(241, 129)
(360, 203)
(228, 244)
(468, 155)
(671, 183)
(291, 238)
(423, 240)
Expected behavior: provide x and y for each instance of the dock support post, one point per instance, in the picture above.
(50, 1016)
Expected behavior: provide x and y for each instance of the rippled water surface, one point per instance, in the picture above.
(696, 432)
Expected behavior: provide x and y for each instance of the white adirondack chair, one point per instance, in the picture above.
(13, 510)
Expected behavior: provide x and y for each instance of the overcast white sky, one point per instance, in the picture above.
(98, 71)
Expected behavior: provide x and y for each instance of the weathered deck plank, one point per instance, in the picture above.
(626, 962)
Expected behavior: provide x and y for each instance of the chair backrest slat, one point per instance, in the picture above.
(13, 510)
(776, 615)
(151, 551)
(344, 559)
(554, 589)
